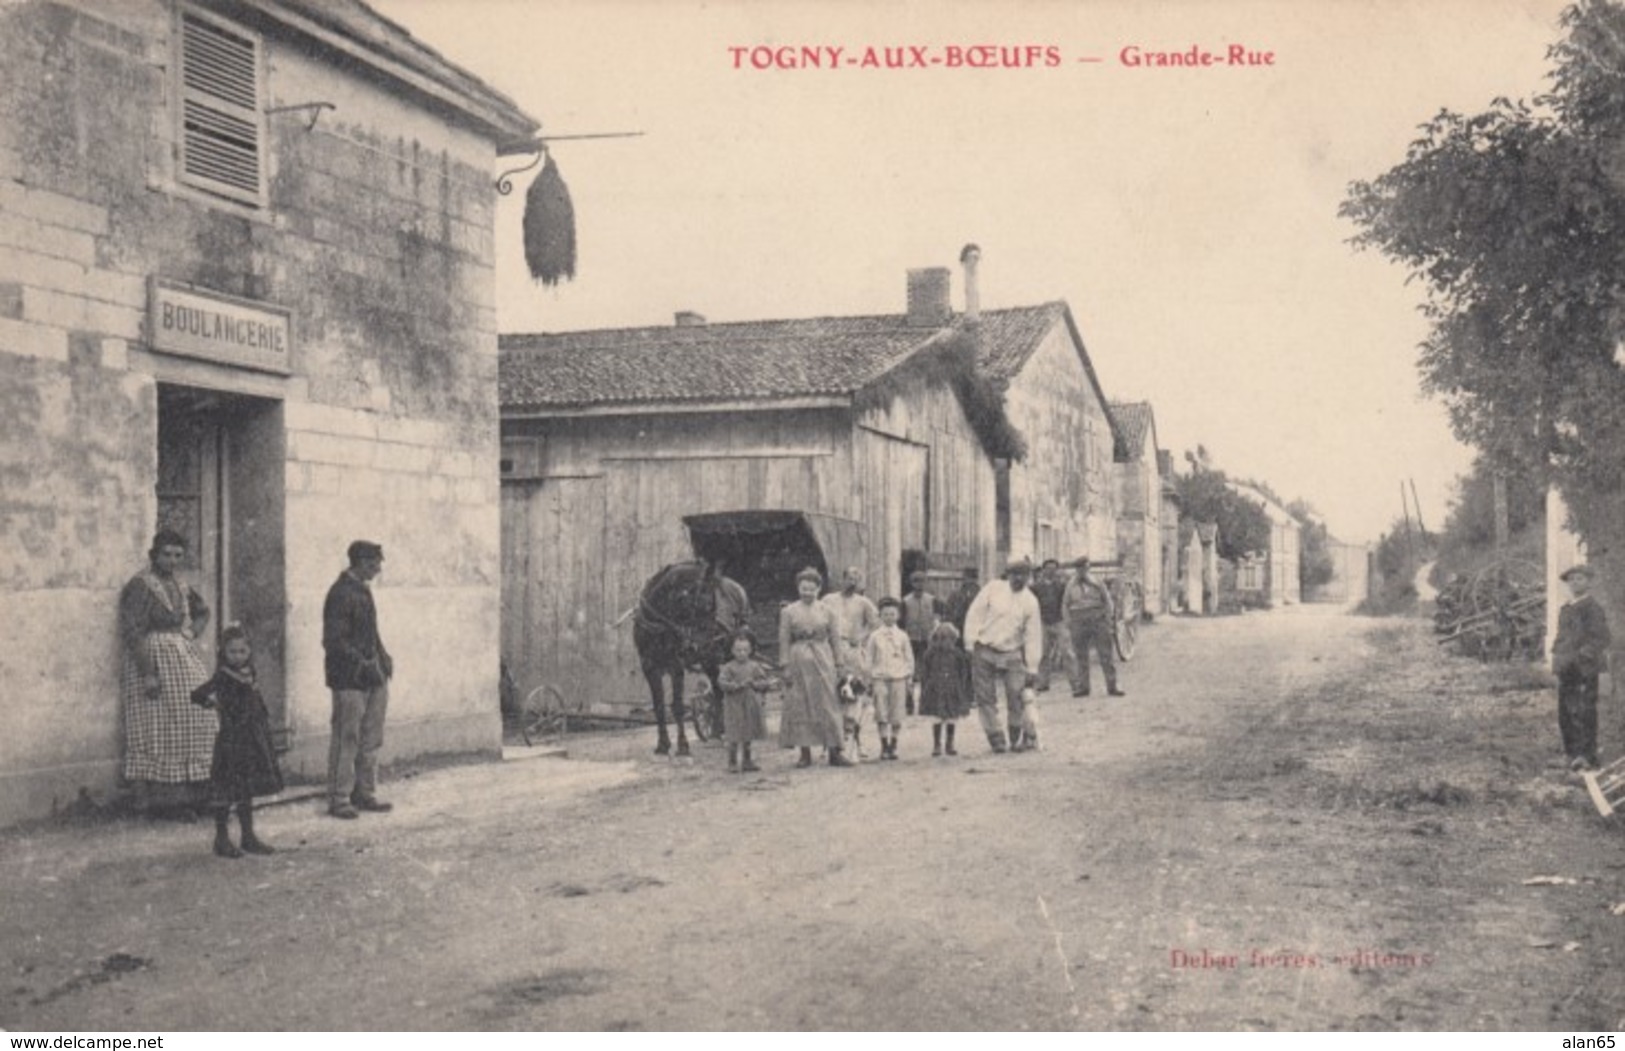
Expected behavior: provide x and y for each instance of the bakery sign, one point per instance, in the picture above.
(197, 324)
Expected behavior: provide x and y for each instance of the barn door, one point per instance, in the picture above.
(896, 478)
(553, 617)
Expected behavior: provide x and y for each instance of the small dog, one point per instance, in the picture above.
(857, 707)
(1030, 719)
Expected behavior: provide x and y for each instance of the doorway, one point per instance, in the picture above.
(220, 484)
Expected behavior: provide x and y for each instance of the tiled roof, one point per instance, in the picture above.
(749, 360)
(1134, 422)
(746, 360)
(1010, 336)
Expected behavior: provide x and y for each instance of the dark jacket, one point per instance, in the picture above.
(356, 658)
(1582, 638)
(1049, 594)
(955, 609)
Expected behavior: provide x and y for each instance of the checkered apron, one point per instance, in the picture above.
(167, 738)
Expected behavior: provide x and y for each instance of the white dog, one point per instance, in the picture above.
(857, 708)
(1030, 719)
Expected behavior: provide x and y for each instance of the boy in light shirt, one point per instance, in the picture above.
(890, 660)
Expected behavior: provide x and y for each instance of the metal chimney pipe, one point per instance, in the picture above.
(969, 256)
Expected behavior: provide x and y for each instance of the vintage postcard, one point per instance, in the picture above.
(943, 515)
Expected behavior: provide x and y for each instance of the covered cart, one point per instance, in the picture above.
(764, 550)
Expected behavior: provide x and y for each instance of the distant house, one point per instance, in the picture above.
(1351, 573)
(1140, 539)
(1272, 573)
(1168, 498)
(1350, 580)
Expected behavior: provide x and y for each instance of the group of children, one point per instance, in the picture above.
(943, 674)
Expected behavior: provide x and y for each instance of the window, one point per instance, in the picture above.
(222, 128)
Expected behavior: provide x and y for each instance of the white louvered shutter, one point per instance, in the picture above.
(222, 128)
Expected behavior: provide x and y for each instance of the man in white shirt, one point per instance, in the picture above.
(1004, 632)
(855, 618)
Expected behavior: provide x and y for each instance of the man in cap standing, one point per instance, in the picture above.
(1004, 632)
(358, 672)
(1578, 655)
(1087, 606)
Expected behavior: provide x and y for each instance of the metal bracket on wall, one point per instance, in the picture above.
(315, 109)
(539, 148)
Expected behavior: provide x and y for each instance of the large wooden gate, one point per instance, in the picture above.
(553, 613)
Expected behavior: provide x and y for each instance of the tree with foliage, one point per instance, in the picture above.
(1397, 561)
(1470, 522)
(1315, 565)
(1514, 220)
(1205, 496)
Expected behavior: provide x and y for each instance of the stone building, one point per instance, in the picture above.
(1141, 538)
(246, 291)
(1168, 519)
(1061, 500)
(1272, 574)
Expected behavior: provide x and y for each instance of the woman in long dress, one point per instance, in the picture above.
(812, 710)
(168, 740)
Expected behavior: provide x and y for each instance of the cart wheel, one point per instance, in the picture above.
(704, 709)
(1126, 632)
(1124, 637)
(545, 713)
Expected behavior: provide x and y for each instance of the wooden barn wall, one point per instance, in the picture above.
(1064, 495)
(606, 513)
(924, 482)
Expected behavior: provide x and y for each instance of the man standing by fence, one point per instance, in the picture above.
(1090, 613)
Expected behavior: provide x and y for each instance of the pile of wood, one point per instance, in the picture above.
(1498, 614)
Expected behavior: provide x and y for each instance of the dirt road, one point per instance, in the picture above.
(1297, 820)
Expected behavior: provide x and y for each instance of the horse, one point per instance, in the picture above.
(679, 625)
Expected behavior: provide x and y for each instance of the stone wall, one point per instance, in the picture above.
(1068, 481)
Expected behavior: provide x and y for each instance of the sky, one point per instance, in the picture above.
(1187, 215)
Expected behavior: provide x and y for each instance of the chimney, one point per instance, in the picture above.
(970, 255)
(928, 305)
(689, 319)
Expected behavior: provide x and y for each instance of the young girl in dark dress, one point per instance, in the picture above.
(945, 690)
(244, 763)
(743, 682)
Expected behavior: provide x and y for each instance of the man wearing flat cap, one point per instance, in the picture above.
(358, 672)
(1089, 612)
(1578, 654)
(1004, 632)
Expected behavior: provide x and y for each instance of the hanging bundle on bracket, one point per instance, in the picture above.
(550, 218)
(550, 227)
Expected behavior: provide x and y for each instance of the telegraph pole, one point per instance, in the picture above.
(1405, 509)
